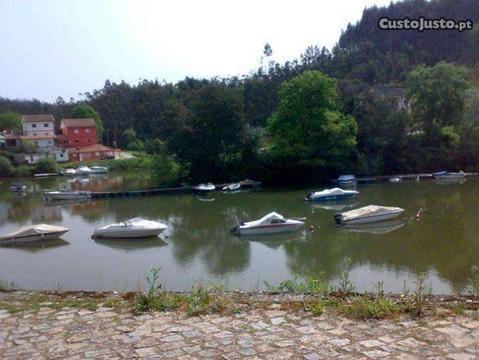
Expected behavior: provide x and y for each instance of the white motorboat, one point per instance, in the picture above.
(33, 233)
(331, 195)
(66, 195)
(367, 214)
(445, 175)
(99, 170)
(69, 172)
(204, 188)
(346, 180)
(395, 179)
(273, 223)
(83, 170)
(232, 187)
(133, 228)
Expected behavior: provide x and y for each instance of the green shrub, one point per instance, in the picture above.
(46, 165)
(6, 168)
(23, 171)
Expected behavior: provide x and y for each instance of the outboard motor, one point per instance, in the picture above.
(308, 197)
(338, 217)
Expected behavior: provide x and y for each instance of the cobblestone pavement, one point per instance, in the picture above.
(269, 333)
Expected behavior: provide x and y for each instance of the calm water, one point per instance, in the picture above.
(444, 242)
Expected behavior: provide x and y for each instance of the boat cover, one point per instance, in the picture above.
(368, 211)
(267, 219)
(34, 230)
(333, 192)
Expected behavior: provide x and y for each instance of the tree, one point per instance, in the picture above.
(309, 127)
(211, 137)
(10, 121)
(438, 97)
(83, 111)
(6, 168)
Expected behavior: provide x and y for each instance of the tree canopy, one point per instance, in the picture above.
(309, 126)
(10, 121)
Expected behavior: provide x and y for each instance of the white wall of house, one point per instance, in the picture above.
(44, 144)
(61, 155)
(38, 128)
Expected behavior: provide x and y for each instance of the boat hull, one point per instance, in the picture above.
(269, 229)
(331, 197)
(371, 218)
(30, 238)
(128, 234)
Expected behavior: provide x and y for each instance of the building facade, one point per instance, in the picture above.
(42, 125)
(77, 133)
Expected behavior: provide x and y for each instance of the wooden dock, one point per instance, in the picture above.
(146, 192)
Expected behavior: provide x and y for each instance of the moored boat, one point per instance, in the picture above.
(248, 184)
(17, 187)
(272, 223)
(68, 172)
(346, 180)
(133, 228)
(232, 187)
(331, 195)
(395, 179)
(33, 233)
(99, 170)
(445, 175)
(204, 188)
(83, 170)
(367, 214)
(66, 195)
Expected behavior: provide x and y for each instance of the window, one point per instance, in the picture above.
(34, 125)
(87, 131)
(88, 140)
(75, 131)
(277, 221)
(34, 134)
(77, 141)
(45, 125)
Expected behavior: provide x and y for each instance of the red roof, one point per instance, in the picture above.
(38, 118)
(90, 148)
(78, 123)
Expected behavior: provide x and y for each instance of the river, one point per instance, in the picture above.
(443, 242)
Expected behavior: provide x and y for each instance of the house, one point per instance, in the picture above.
(77, 133)
(42, 125)
(38, 130)
(92, 152)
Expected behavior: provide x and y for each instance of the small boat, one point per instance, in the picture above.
(204, 188)
(346, 179)
(133, 228)
(33, 233)
(83, 170)
(18, 187)
(248, 184)
(395, 179)
(68, 172)
(232, 187)
(331, 195)
(66, 195)
(99, 170)
(273, 223)
(445, 175)
(367, 214)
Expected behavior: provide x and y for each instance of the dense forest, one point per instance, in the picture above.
(379, 102)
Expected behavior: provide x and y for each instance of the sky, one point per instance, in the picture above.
(51, 48)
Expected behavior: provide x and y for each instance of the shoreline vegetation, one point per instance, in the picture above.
(312, 295)
(378, 102)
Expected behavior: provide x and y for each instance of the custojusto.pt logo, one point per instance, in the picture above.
(422, 24)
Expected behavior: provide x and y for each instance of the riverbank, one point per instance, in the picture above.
(262, 325)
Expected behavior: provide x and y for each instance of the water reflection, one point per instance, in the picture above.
(37, 246)
(442, 241)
